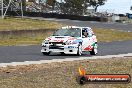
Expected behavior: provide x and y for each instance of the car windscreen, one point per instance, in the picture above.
(74, 32)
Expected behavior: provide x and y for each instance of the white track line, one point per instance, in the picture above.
(61, 60)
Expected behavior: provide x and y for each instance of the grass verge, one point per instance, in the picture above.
(107, 35)
(26, 24)
(24, 38)
(63, 75)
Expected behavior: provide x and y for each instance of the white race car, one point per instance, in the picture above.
(71, 40)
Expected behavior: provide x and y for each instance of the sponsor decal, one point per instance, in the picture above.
(49, 38)
(56, 40)
(71, 38)
(88, 48)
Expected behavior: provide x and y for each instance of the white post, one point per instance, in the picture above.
(2, 9)
(61, 6)
(21, 9)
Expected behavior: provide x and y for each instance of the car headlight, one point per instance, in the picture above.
(46, 42)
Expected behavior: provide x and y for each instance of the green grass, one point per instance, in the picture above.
(26, 24)
(24, 39)
(63, 75)
(107, 35)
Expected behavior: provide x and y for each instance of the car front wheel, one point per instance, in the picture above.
(79, 51)
(62, 53)
(94, 50)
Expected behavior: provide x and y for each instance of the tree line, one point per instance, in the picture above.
(77, 6)
(74, 6)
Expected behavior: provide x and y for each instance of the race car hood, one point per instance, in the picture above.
(60, 38)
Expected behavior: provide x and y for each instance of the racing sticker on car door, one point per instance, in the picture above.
(88, 40)
(86, 45)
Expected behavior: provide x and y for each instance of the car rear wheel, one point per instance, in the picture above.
(79, 51)
(45, 53)
(94, 50)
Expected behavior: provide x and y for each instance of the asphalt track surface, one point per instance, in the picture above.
(32, 53)
(106, 25)
(127, 27)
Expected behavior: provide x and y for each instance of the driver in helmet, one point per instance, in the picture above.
(84, 33)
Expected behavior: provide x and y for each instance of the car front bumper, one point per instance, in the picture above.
(67, 49)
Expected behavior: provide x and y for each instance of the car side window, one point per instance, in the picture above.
(89, 34)
(84, 33)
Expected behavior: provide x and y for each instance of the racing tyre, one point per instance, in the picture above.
(62, 53)
(46, 53)
(79, 51)
(94, 50)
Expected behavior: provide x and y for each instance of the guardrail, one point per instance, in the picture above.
(60, 16)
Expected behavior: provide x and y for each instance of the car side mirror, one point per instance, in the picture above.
(90, 35)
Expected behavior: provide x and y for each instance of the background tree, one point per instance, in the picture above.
(79, 7)
(96, 3)
(74, 7)
(31, 0)
(51, 3)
